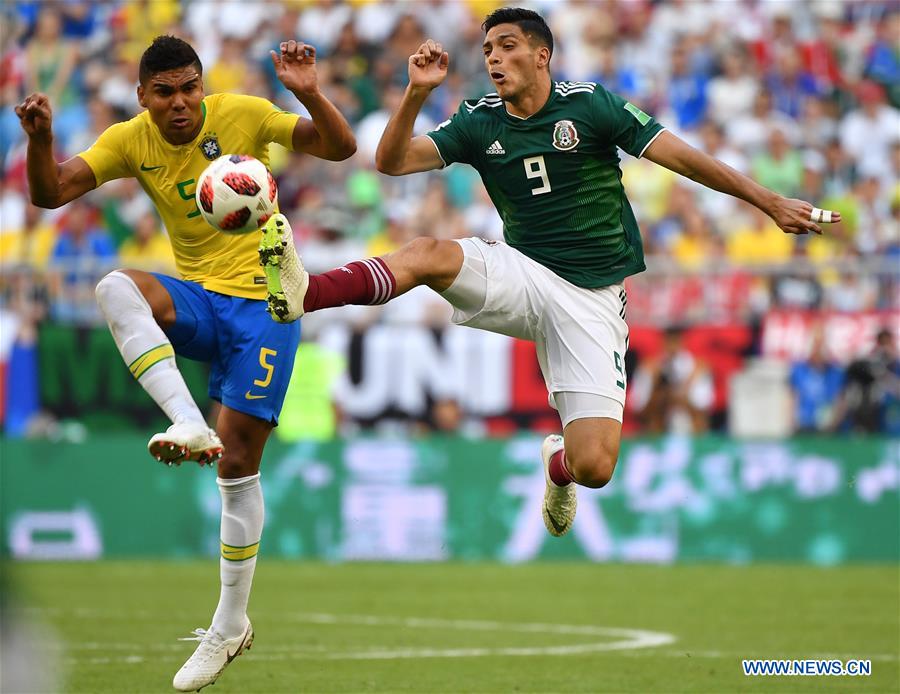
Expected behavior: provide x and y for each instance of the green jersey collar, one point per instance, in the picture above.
(519, 119)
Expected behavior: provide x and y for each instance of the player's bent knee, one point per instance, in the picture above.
(234, 464)
(110, 291)
(434, 260)
(423, 245)
(433, 254)
(239, 460)
(426, 252)
(597, 473)
(106, 286)
(592, 465)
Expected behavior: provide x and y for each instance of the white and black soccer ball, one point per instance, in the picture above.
(236, 194)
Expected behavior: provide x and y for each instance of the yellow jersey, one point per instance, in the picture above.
(232, 124)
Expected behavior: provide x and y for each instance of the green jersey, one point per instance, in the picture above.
(554, 177)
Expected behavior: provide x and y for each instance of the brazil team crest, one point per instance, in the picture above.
(565, 137)
(210, 147)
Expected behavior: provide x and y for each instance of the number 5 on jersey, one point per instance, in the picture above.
(535, 168)
(270, 368)
(182, 191)
(264, 353)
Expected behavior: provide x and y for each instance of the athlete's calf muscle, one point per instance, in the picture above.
(244, 437)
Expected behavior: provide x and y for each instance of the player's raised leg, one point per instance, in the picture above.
(292, 291)
(585, 455)
(136, 305)
(243, 514)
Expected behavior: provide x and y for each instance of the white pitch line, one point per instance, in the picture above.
(629, 639)
(476, 625)
(310, 651)
(652, 638)
(632, 643)
(281, 654)
(625, 639)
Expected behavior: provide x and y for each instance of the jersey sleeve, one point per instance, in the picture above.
(624, 123)
(274, 124)
(106, 156)
(453, 137)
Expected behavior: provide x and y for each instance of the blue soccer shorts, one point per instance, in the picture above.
(250, 355)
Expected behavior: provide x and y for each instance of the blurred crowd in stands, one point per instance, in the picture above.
(861, 397)
(803, 96)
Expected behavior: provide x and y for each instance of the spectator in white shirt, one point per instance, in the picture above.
(731, 93)
(869, 132)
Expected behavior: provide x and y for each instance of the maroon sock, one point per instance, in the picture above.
(364, 282)
(559, 473)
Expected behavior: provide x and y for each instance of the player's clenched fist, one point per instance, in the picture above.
(428, 65)
(35, 115)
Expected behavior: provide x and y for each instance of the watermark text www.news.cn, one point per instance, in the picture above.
(808, 667)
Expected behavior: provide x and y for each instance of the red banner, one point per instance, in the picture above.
(789, 335)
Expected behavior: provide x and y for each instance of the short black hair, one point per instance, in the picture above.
(167, 53)
(530, 22)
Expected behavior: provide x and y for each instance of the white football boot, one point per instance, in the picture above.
(560, 503)
(286, 280)
(212, 656)
(186, 441)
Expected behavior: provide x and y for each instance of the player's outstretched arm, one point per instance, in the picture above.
(792, 216)
(398, 151)
(327, 135)
(50, 184)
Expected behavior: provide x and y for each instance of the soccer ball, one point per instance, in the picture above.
(236, 194)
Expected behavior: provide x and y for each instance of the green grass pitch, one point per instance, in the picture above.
(473, 627)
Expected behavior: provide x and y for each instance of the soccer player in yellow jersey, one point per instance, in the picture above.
(216, 311)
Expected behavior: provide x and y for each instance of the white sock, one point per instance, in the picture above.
(145, 347)
(243, 513)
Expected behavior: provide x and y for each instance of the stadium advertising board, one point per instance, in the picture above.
(826, 501)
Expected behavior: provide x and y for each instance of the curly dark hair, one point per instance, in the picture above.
(167, 53)
(530, 22)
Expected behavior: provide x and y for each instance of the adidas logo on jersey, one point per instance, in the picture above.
(495, 148)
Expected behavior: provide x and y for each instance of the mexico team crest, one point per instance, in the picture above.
(210, 147)
(565, 137)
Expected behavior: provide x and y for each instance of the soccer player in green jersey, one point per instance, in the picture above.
(547, 153)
